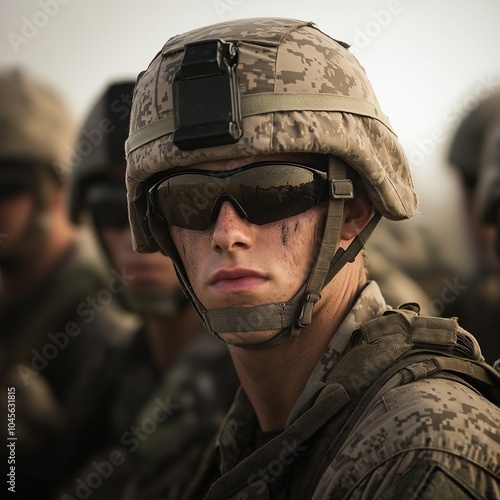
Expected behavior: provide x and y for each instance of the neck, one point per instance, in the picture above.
(274, 378)
(168, 336)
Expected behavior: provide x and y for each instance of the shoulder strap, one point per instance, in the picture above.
(482, 376)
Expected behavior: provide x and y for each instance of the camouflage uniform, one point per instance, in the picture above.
(303, 92)
(431, 423)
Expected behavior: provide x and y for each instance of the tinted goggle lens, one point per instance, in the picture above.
(108, 206)
(261, 193)
(16, 179)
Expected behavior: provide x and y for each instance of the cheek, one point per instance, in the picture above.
(15, 217)
(181, 239)
(115, 244)
(300, 239)
(191, 246)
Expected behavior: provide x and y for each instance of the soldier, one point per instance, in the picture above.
(170, 367)
(259, 160)
(57, 329)
(474, 154)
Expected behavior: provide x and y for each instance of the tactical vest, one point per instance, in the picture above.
(386, 352)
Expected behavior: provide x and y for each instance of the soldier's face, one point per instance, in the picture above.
(16, 212)
(237, 263)
(151, 272)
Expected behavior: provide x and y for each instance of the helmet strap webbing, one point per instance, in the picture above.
(340, 189)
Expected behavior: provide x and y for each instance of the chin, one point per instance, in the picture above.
(238, 339)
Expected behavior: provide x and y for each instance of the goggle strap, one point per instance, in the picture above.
(333, 224)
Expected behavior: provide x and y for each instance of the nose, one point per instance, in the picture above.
(231, 231)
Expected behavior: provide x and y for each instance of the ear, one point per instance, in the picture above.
(357, 213)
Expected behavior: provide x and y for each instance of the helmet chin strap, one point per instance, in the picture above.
(286, 317)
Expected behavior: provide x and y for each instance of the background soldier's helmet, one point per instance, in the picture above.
(36, 124)
(331, 109)
(104, 133)
(300, 91)
(36, 139)
(475, 153)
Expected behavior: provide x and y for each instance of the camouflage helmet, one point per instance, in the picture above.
(300, 92)
(468, 143)
(36, 123)
(102, 138)
(327, 107)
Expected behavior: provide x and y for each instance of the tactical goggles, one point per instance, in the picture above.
(261, 192)
(107, 204)
(16, 178)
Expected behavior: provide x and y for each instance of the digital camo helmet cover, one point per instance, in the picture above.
(301, 91)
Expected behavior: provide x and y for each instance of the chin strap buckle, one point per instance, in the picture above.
(305, 316)
(341, 189)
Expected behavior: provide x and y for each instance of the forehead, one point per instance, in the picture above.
(311, 159)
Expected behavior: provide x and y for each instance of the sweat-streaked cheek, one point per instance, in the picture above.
(191, 245)
(297, 247)
(286, 249)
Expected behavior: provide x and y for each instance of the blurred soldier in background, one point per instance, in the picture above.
(395, 275)
(475, 153)
(176, 382)
(487, 203)
(55, 321)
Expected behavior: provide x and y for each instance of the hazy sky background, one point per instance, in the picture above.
(428, 60)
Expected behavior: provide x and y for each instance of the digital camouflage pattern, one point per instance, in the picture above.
(270, 51)
(438, 423)
(433, 419)
(289, 57)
